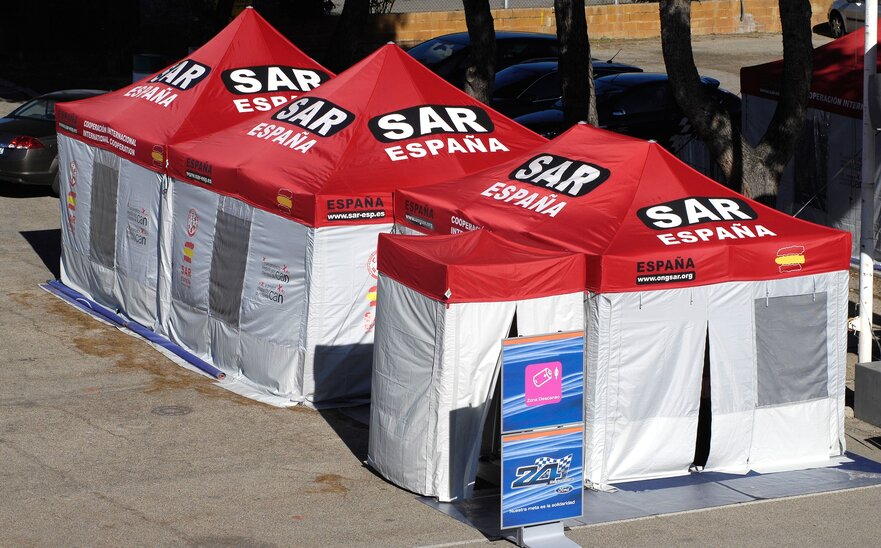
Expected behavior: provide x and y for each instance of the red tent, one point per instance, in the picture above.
(641, 216)
(836, 82)
(112, 158)
(694, 290)
(444, 305)
(334, 156)
(296, 199)
(478, 266)
(246, 69)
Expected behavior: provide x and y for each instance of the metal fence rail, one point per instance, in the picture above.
(409, 6)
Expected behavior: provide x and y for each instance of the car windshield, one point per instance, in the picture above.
(434, 51)
(38, 109)
(511, 81)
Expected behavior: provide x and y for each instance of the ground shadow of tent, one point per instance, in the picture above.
(47, 245)
(350, 430)
(337, 373)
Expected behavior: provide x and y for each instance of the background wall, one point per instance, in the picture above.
(607, 21)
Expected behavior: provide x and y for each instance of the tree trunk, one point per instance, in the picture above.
(779, 141)
(481, 72)
(575, 69)
(346, 39)
(755, 171)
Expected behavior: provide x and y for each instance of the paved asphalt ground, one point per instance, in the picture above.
(104, 442)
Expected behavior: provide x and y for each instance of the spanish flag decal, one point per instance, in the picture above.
(371, 296)
(158, 155)
(189, 251)
(790, 258)
(284, 200)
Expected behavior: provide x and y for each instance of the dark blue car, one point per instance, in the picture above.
(636, 104)
(535, 85)
(448, 56)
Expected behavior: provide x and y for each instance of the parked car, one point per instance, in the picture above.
(535, 85)
(846, 16)
(637, 104)
(28, 144)
(448, 56)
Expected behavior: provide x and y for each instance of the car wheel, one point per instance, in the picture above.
(56, 184)
(836, 25)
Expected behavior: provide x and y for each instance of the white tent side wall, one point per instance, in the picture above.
(338, 350)
(827, 178)
(799, 346)
(237, 291)
(274, 303)
(777, 367)
(434, 374)
(75, 160)
(282, 306)
(192, 237)
(642, 399)
(406, 357)
(110, 229)
(137, 242)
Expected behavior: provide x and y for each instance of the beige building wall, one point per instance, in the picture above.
(609, 21)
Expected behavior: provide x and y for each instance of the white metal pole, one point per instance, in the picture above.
(867, 219)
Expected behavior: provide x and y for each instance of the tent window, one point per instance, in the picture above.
(229, 256)
(102, 224)
(791, 349)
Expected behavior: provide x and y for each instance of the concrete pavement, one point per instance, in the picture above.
(718, 56)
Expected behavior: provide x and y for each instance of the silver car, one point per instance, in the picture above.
(28, 144)
(847, 15)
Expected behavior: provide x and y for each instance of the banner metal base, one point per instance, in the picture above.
(548, 535)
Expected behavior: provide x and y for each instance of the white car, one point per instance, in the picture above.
(847, 15)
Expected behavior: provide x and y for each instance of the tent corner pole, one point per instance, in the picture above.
(867, 236)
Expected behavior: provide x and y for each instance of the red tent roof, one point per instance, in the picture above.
(478, 266)
(247, 68)
(837, 81)
(334, 155)
(644, 219)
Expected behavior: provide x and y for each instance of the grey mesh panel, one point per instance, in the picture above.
(791, 349)
(228, 260)
(102, 225)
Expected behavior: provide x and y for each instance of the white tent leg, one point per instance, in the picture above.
(867, 224)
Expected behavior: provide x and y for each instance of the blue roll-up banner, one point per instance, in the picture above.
(542, 476)
(542, 381)
(542, 429)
